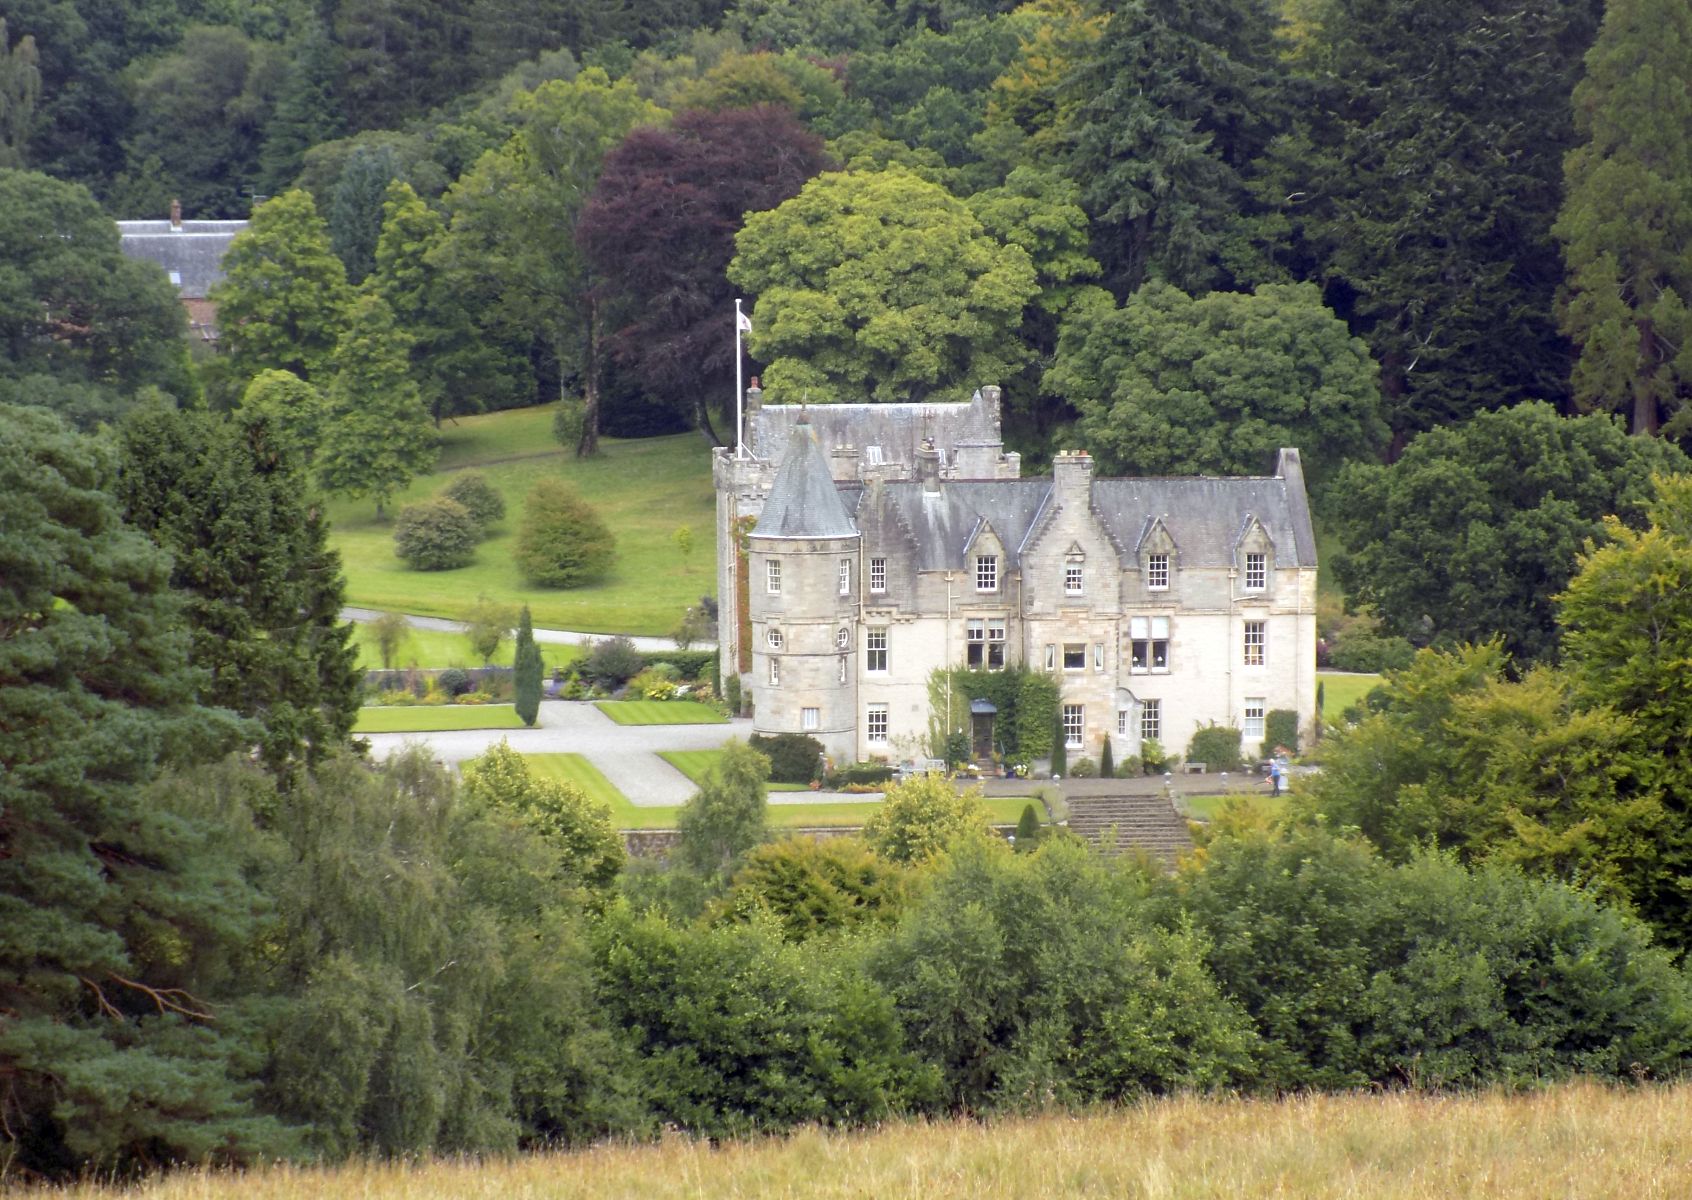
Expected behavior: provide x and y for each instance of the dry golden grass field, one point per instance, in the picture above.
(1572, 1141)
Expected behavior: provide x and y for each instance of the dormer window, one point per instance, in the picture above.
(1072, 579)
(986, 572)
(1157, 572)
(1256, 570)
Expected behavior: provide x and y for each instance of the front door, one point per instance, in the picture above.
(981, 743)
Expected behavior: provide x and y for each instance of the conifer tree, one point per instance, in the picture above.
(1626, 222)
(376, 435)
(115, 916)
(230, 502)
(306, 113)
(355, 211)
(528, 669)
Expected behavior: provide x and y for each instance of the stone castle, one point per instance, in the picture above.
(862, 546)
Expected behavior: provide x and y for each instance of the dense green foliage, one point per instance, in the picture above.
(437, 534)
(1217, 747)
(230, 502)
(879, 286)
(562, 543)
(1626, 221)
(1172, 385)
(794, 757)
(1476, 528)
(479, 498)
(726, 817)
(82, 328)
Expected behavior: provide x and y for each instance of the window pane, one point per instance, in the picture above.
(772, 576)
(1074, 724)
(1074, 656)
(808, 718)
(1151, 720)
(878, 574)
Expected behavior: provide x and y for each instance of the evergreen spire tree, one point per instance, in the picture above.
(1626, 223)
(376, 435)
(355, 212)
(307, 112)
(528, 669)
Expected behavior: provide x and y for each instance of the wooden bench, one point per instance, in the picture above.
(1193, 768)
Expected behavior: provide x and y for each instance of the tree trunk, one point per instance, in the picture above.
(588, 446)
(1651, 354)
(702, 417)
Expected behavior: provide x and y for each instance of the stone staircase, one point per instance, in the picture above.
(1148, 823)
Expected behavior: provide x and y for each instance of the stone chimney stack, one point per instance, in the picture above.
(754, 405)
(1072, 477)
(928, 467)
(176, 215)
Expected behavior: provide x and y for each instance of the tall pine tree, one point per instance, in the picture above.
(1425, 193)
(229, 501)
(1626, 223)
(116, 1049)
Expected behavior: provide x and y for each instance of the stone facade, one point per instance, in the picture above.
(862, 547)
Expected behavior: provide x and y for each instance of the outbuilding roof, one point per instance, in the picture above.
(191, 252)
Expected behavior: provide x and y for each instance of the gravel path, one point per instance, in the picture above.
(566, 637)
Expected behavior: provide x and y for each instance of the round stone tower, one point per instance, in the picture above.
(803, 591)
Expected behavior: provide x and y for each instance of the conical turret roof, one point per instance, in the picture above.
(803, 501)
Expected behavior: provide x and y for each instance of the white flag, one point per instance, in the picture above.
(742, 321)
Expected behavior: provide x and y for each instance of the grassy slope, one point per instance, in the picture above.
(1341, 691)
(1567, 1140)
(434, 718)
(643, 489)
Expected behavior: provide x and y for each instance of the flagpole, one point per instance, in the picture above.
(739, 391)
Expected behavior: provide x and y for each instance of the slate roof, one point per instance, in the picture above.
(195, 251)
(1206, 516)
(803, 501)
(943, 524)
(898, 429)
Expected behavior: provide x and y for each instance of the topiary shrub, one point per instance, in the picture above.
(472, 489)
(794, 757)
(611, 662)
(1027, 830)
(435, 535)
(1217, 747)
(453, 681)
(562, 543)
(1280, 728)
(1107, 760)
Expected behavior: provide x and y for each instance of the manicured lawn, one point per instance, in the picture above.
(436, 718)
(695, 763)
(576, 769)
(1205, 808)
(644, 489)
(573, 768)
(660, 712)
(1340, 691)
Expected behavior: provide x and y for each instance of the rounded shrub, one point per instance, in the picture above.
(472, 489)
(435, 535)
(454, 682)
(563, 543)
(794, 757)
